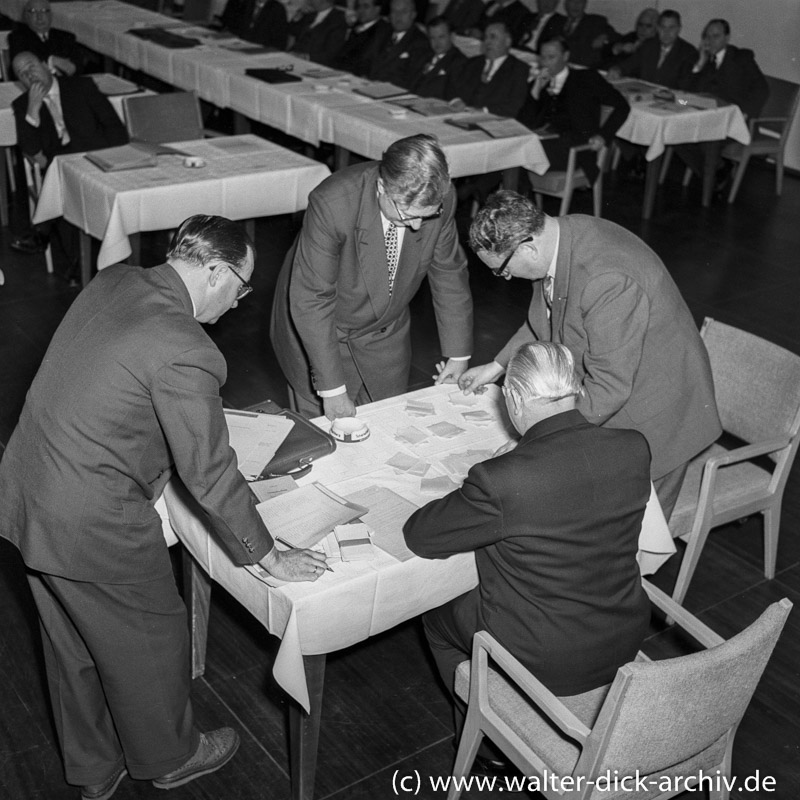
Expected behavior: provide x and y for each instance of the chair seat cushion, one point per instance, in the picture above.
(554, 182)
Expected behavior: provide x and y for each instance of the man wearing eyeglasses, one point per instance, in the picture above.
(599, 290)
(127, 394)
(372, 232)
(57, 48)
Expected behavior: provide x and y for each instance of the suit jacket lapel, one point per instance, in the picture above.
(371, 247)
(561, 282)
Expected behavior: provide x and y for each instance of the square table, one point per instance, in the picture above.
(358, 599)
(244, 177)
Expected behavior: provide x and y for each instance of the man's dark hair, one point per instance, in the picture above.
(504, 222)
(414, 171)
(202, 239)
(670, 14)
(438, 22)
(725, 25)
(559, 40)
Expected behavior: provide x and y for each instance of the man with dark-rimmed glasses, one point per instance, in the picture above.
(372, 233)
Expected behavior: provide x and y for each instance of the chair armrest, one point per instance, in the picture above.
(689, 622)
(544, 699)
(581, 148)
(745, 453)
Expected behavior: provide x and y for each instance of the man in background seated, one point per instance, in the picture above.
(59, 115)
(543, 26)
(512, 13)
(445, 65)
(407, 50)
(625, 46)
(58, 49)
(320, 34)
(463, 15)
(567, 102)
(259, 21)
(365, 40)
(586, 34)
(666, 60)
(554, 523)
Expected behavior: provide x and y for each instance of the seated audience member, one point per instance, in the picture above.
(512, 13)
(568, 102)
(586, 34)
(554, 524)
(59, 115)
(546, 24)
(58, 49)
(259, 21)
(365, 39)
(625, 46)
(320, 34)
(463, 15)
(406, 52)
(447, 61)
(666, 60)
(730, 73)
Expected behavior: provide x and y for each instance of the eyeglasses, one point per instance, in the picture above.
(38, 12)
(244, 289)
(502, 270)
(403, 218)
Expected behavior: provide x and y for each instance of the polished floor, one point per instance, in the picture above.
(384, 713)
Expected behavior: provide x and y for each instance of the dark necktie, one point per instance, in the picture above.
(487, 70)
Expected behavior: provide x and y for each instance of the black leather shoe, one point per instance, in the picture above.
(30, 244)
(215, 750)
(104, 790)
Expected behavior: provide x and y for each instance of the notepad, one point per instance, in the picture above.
(126, 156)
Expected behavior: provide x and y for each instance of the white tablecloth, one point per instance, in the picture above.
(249, 178)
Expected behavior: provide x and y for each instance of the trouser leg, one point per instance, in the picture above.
(668, 488)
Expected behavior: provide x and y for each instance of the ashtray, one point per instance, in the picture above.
(193, 162)
(321, 88)
(349, 429)
(398, 113)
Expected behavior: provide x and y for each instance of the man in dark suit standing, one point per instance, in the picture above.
(372, 232)
(407, 50)
(599, 290)
(554, 524)
(568, 102)
(320, 34)
(58, 49)
(259, 21)
(438, 74)
(365, 40)
(127, 393)
(543, 26)
(586, 34)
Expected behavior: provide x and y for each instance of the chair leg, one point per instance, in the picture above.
(690, 558)
(737, 178)
(597, 194)
(10, 164)
(537, 196)
(779, 173)
(772, 529)
(687, 176)
(565, 201)
(615, 157)
(471, 738)
(665, 163)
(48, 259)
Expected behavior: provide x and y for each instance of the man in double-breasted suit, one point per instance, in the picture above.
(407, 50)
(372, 232)
(447, 61)
(611, 301)
(127, 393)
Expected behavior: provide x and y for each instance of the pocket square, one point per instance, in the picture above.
(404, 55)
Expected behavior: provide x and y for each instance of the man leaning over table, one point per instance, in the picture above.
(372, 232)
(603, 293)
(127, 394)
(554, 523)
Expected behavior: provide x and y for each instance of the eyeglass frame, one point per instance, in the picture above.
(403, 218)
(502, 270)
(245, 289)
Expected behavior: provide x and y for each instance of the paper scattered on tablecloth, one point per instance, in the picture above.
(479, 416)
(410, 435)
(438, 485)
(420, 408)
(445, 430)
(460, 399)
(402, 462)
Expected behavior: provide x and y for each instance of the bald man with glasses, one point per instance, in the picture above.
(57, 48)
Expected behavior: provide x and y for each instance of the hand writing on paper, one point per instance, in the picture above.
(339, 405)
(294, 565)
(474, 380)
(449, 371)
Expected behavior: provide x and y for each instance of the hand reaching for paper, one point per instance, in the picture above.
(294, 565)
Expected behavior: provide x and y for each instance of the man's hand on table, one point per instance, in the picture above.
(449, 371)
(294, 565)
(474, 380)
(340, 405)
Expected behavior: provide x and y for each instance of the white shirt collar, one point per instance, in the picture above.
(557, 84)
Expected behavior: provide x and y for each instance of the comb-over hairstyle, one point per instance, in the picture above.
(543, 371)
(414, 171)
(202, 239)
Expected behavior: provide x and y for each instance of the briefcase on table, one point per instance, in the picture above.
(305, 444)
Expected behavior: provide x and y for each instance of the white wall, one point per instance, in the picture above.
(771, 28)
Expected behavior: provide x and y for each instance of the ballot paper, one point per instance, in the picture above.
(410, 435)
(445, 430)
(255, 438)
(387, 514)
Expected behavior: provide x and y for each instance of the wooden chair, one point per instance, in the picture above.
(657, 720)
(757, 387)
(33, 178)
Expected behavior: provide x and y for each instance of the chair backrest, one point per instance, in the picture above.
(660, 713)
(5, 65)
(162, 118)
(781, 104)
(756, 383)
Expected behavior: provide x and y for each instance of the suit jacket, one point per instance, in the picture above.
(269, 28)
(438, 82)
(738, 80)
(552, 28)
(554, 525)
(675, 72)
(89, 117)
(463, 15)
(59, 43)
(504, 94)
(635, 344)
(581, 39)
(515, 15)
(128, 390)
(400, 63)
(322, 42)
(332, 304)
(361, 49)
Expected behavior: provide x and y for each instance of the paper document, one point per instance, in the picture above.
(387, 514)
(255, 438)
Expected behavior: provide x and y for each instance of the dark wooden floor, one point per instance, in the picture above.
(384, 710)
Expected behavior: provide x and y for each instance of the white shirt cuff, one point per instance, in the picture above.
(30, 120)
(332, 392)
(459, 358)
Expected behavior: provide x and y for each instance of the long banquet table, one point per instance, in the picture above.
(360, 599)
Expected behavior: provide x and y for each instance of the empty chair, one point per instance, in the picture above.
(657, 720)
(757, 387)
(162, 118)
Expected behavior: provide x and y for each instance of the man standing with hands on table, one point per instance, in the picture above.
(599, 290)
(128, 391)
(340, 319)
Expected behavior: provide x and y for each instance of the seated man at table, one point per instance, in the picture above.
(365, 40)
(259, 21)
(554, 523)
(512, 13)
(629, 43)
(463, 15)
(320, 34)
(542, 26)
(407, 50)
(568, 102)
(58, 49)
(59, 115)
(445, 65)
(587, 34)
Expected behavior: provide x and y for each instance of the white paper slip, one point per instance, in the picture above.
(264, 490)
(439, 485)
(411, 435)
(460, 399)
(255, 438)
(387, 514)
(446, 430)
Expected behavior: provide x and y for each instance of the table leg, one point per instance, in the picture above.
(135, 257)
(250, 228)
(241, 124)
(86, 258)
(511, 179)
(304, 731)
(3, 189)
(711, 156)
(651, 185)
(197, 596)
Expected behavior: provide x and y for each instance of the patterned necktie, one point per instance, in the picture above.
(392, 254)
